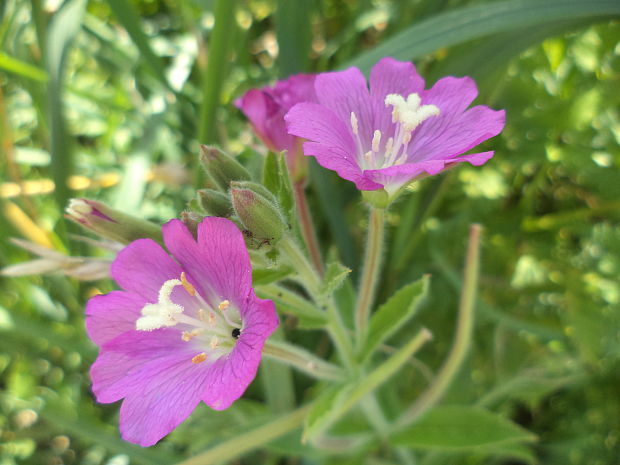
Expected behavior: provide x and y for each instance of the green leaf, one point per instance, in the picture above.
(393, 314)
(335, 275)
(468, 23)
(129, 18)
(269, 275)
(335, 402)
(62, 29)
(460, 427)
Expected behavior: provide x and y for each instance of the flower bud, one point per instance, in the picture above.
(259, 214)
(221, 167)
(255, 187)
(110, 223)
(214, 203)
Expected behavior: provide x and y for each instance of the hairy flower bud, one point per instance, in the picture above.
(214, 203)
(221, 167)
(110, 223)
(259, 213)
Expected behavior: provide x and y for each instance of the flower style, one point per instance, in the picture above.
(185, 328)
(266, 107)
(386, 136)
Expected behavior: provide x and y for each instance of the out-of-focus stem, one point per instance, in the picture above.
(462, 339)
(301, 359)
(372, 266)
(307, 226)
(250, 440)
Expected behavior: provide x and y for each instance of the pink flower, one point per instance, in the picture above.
(186, 328)
(387, 136)
(266, 107)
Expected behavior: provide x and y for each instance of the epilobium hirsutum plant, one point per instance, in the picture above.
(189, 325)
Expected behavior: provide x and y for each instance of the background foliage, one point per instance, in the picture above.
(111, 98)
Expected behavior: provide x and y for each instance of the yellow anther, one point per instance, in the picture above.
(214, 342)
(202, 315)
(212, 319)
(199, 358)
(189, 335)
(186, 285)
(224, 304)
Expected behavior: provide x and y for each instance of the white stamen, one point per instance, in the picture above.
(215, 342)
(162, 314)
(376, 140)
(409, 113)
(354, 125)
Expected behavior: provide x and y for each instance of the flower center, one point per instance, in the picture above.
(407, 115)
(215, 330)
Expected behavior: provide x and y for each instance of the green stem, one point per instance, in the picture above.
(462, 339)
(372, 266)
(292, 302)
(309, 278)
(246, 442)
(340, 335)
(307, 226)
(302, 360)
(374, 413)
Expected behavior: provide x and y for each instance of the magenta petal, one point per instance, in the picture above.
(220, 247)
(110, 315)
(332, 144)
(266, 107)
(232, 375)
(154, 372)
(447, 137)
(142, 267)
(452, 95)
(345, 92)
(476, 159)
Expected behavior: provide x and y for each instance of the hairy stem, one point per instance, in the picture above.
(462, 339)
(307, 226)
(245, 442)
(302, 360)
(372, 266)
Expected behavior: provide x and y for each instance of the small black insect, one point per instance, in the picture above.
(236, 332)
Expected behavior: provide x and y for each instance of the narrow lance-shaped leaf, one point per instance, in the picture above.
(129, 18)
(335, 275)
(63, 27)
(468, 23)
(460, 427)
(393, 314)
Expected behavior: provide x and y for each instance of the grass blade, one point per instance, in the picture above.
(464, 24)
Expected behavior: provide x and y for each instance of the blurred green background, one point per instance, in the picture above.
(111, 99)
